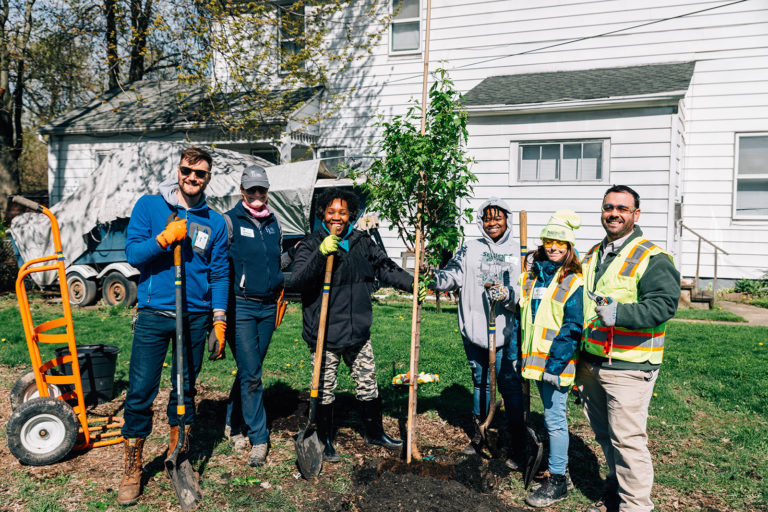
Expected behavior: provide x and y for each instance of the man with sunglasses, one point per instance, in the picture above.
(178, 214)
(631, 289)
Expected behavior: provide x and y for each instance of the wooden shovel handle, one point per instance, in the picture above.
(321, 327)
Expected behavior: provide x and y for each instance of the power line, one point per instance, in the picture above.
(571, 41)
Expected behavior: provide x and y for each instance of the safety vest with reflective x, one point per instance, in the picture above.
(619, 282)
(538, 333)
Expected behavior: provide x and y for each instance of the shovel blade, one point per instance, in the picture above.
(309, 453)
(534, 451)
(185, 482)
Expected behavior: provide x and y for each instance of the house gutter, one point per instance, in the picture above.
(670, 98)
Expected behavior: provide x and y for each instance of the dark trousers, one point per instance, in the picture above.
(151, 336)
(254, 323)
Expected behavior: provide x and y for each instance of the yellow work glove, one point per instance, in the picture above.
(329, 245)
(423, 290)
(217, 339)
(175, 231)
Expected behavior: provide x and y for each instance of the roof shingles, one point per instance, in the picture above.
(584, 84)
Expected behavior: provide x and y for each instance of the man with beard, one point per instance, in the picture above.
(178, 214)
(631, 289)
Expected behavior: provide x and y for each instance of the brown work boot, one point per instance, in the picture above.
(130, 486)
(609, 503)
(173, 438)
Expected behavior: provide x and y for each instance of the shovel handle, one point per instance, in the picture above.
(321, 327)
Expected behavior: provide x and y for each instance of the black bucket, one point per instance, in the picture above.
(97, 370)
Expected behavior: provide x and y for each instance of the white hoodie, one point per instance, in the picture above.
(478, 261)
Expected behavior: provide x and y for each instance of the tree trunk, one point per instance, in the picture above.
(140, 18)
(18, 93)
(113, 59)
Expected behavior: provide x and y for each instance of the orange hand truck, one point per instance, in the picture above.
(44, 427)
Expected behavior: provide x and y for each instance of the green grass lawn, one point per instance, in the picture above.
(717, 315)
(708, 418)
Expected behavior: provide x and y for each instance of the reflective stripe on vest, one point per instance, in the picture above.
(620, 283)
(538, 334)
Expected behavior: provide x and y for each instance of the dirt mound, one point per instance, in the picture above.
(393, 486)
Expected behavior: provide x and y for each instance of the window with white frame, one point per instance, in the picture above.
(561, 160)
(751, 176)
(332, 158)
(291, 35)
(405, 29)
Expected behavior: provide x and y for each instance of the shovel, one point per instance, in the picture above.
(490, 437)
(179, 470)
(309, 449)
(534, 449)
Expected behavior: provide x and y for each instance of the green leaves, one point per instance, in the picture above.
(432, 169)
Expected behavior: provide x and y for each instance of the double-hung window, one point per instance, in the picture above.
(332, 158)
(291, 36)
(405, 29)
(560, 161)
(751, 176)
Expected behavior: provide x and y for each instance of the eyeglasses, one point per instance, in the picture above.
(200, 173)
(607, 207)
(558, 244)
(255, 190)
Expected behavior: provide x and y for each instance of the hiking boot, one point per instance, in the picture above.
(373, 431)
(258, 454)
(173, 438)
(130, 486)
(325, 432)
(475, 443)
(554, 489)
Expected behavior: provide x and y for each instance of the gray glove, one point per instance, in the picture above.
(498, 293)
(553, 380)
(607, 313)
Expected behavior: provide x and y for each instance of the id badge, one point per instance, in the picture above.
(201, 235)
(539, 293)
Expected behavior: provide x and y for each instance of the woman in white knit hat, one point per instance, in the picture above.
(551, 319)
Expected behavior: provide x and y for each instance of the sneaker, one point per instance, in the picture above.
(258, 454)
(239, 442)
(568, 481)
(553, 489)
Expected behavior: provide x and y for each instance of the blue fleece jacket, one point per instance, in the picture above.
(204, 253)
(567, 339)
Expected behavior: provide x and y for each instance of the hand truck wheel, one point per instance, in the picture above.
(25, 390)
(42, 431)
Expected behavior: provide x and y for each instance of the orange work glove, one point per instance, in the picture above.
(175, 231)
(216, 340)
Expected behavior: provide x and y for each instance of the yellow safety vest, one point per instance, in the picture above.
(619, 282)
(538, 333)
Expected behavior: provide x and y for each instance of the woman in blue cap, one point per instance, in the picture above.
(255, 242)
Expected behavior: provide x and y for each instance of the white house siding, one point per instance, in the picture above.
(639, 154)
(729, 94)
(475, 40)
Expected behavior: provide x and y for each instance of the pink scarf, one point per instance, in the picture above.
(261, 213)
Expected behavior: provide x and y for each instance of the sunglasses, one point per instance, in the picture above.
(548, 242)
(607, 207)
(200, 173)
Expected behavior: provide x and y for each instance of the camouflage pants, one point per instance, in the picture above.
(359, 359)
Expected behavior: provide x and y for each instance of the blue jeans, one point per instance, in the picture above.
(554, 398)
(254, 324)
(508, 379)
(151, 336)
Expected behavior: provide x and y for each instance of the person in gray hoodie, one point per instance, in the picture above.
(493, 258)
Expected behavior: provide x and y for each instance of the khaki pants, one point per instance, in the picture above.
(616, 405)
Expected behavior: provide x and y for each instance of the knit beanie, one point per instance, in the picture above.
(561, 226)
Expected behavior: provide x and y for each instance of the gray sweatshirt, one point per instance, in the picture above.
(478, 261)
